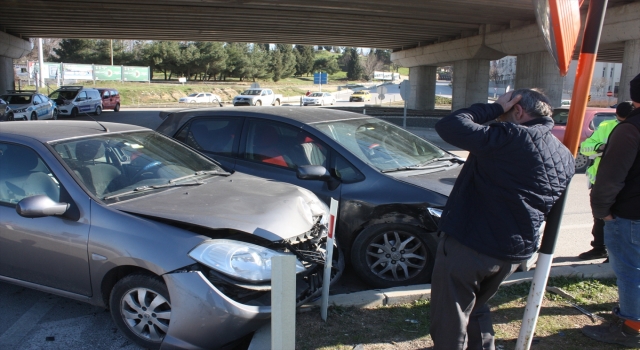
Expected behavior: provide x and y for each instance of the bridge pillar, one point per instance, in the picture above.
(423, 87)
(539, 70)
(470, 83)
(10, 47)
(630, 68)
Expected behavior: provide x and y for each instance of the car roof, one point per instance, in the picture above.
(46, 131)
(24, 93)
(301, 115)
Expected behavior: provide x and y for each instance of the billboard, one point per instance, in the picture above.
(107, 72)
(386, 76)
(77, 71)
(135, 73)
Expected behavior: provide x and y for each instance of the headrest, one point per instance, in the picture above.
(89, 150)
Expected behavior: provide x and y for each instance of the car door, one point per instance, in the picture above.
(82, 102)
(47, 107)
(200, 98)
(274, 150)
(217, 137)
(37, 105)
(48, 251)
(106, 100)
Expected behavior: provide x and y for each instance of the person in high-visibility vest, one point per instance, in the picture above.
(593, 148)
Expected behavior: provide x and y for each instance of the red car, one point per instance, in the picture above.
(592, 118)
(110, 99)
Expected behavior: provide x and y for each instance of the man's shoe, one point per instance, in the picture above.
(615, 332)
(594, 254)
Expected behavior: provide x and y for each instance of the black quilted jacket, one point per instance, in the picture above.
(512, 177)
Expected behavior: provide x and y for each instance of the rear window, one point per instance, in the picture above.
(64, 94)
(560, 116)
(600, 117)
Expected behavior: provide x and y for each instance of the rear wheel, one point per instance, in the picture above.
(141, 308)
(258, 103)
(392, 255)
(34, 116)
(582, 163)
(276, 102)
(98, 110)
(117, 107)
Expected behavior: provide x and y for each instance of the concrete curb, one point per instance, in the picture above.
(402, 295)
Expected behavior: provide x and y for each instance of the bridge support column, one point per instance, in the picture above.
(423, 87)
(539, 70)
(6, 74)
(630, 68)
(10, 47)
(470, 83)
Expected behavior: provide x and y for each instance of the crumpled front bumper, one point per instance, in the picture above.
(204, 318)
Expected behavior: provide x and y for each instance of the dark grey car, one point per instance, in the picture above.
(176, 247)
(391, 184)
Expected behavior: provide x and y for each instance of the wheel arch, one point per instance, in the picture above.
(117, 273)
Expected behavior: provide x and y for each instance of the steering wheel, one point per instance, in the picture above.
(147, 169)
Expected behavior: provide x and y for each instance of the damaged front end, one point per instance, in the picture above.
(235, 304)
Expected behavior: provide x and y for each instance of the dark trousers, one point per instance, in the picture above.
(598, 234)
(463, 281)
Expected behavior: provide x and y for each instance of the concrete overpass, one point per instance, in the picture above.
(422, 34)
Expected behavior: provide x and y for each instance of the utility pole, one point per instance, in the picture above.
(40, 76)
(111, 47)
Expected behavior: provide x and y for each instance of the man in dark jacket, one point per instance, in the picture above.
(515, 171)
(615, 198)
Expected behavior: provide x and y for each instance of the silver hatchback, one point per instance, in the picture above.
(175, 246)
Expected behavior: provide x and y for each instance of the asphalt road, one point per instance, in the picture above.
(35, 320)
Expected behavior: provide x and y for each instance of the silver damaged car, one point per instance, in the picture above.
(175, 246)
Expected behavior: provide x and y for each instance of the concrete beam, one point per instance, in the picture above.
(622, 23)
(630, 68)
(13, 47)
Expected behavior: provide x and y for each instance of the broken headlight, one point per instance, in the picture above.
(241, 260)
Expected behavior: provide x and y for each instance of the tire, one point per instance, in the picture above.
(142, 325)
(74, 113)
(54, 115)
(276, 102)
(10, 117)
(117, 107)
(333, 102)
(393, 255)
(582, 163)
(258, 103)
(98, 110)
(322, 103)
(34, 116)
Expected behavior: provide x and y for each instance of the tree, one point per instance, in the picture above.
(212, 59)
(304, 59)
(354, 68)
(283, 62)
(326, 64)
(237, 60)
(161, 55)
(258, 67)
(76, 51)
(371, 65)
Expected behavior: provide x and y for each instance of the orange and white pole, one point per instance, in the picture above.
(326, 280)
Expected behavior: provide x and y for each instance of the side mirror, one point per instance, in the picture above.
(40, 206)
(313, 172)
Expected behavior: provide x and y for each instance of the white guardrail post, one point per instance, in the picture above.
(283, 302)
(326, 280)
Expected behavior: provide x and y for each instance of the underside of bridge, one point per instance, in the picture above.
(421, 33)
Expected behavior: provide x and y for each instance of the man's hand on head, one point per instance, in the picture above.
(507, 102)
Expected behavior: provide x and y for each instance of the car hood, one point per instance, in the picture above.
(270, 209)
(439, 181)
(20, 106)
(247, 96)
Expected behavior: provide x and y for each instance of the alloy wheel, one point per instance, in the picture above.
(146, 313)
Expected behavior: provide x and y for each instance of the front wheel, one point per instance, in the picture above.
(34, 116)
(10, 117)
(98, 110)
(54, 114)
(116, 108)
(392, 255)
(258, 103)
(141, 309)
(74, 113)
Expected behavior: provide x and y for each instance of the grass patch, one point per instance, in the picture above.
(407, 326)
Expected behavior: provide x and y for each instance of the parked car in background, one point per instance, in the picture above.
(176, 247)
(318, 99)
(592, 118)
(360, 96)
(391, 184)
(5, 111)
(72, 100)
(30, 106)
(257, 97)
(110, 99)
(200, 97)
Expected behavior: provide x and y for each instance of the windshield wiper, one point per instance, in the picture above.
(153, 187)
(199, 173)
(424, 165)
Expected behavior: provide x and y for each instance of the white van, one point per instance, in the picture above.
(74, 100)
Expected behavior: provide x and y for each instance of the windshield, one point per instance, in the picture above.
(359, 93)
(316, 94)
(251, 92)
(64, 94)
(192, 95)
(17, 99)
(117, 163)
(381, 144)
(560, 116)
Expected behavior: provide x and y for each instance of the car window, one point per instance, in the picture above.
(114, 93)
(112, 164)
(283, 145)
(82, 96)
(17, 99)
(94, 94)
(600, 117)
(63, 94)
(106, 94)
(560, 116)
(346, 172)
(215, 135)
(44, 98)
(36, 100)
(24, 174)
(316, 94)
(269, 92)
(381, 144)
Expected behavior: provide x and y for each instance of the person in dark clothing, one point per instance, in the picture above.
(615, 198)
(515, 171)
